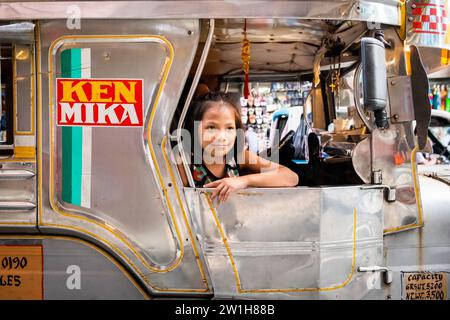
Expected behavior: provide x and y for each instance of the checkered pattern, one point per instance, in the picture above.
(430, 18)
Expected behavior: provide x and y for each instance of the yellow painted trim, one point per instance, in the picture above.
(51, 180)
(37, 33)
(166, 69)
(13, 159)
(101, 251)
(403, 19)
(14, 71)
(191, 237)
(14, 63)
(236, 274)
(419, 222)
(24, 152)
(407, 54)
(124, 257)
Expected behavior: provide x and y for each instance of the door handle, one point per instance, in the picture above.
(387, 272)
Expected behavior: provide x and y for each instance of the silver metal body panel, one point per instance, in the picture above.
(387, 146)
(17, 33)
(133, 213)
(425, 249)
(18, 195)
(98, 276)
(18, 173)
(385, 11)
(299, 243)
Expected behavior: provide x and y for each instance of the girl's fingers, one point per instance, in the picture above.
(212, 184)
(223, 193)
(229, 192)
(217, 190)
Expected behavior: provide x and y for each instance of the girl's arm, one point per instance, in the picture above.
(265, 174)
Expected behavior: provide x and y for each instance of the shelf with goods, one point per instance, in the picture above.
(439, 89)
(439, 95)
(265, 99)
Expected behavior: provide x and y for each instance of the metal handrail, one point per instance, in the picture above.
(16, 206)
(16, 174)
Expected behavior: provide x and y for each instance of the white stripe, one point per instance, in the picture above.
(87, 139)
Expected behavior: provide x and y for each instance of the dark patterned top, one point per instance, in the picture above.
(203, 176)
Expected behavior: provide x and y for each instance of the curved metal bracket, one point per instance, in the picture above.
(420, 88)
(189, 98)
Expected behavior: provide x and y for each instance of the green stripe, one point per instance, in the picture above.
(72, 137)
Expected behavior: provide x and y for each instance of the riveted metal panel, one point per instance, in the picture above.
(132, 213)
(297, 243)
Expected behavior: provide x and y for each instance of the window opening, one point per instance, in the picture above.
(6, 108)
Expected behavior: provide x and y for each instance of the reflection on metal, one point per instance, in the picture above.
(16, 206)
(369, 10)
(409, 210)
(288, 46)
(248, 259)
(18, 194)
(22, 32)
(236, 274)
(136, 240)
(357, 86)
(16, 174)
(58, 207)
(73, 248)
(361, 160)
(401, 99)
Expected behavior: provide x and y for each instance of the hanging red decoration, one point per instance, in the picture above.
(245, 55)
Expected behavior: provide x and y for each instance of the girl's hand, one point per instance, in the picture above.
(225, 187)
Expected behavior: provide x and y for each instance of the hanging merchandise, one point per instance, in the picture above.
(246, 60)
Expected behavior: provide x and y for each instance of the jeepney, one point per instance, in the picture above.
(97, 92)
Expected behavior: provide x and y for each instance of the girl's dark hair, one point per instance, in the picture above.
(200, 107)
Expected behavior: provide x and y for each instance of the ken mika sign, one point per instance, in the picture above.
(99, 102)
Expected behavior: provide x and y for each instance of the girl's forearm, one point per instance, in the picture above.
(280, 177)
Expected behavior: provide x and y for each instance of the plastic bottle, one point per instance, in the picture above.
(443, 97)
(436, 98)
(447, 102)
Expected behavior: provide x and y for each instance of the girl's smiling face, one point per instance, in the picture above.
(217, 130)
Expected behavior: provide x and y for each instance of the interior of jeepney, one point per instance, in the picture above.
(301, 109)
